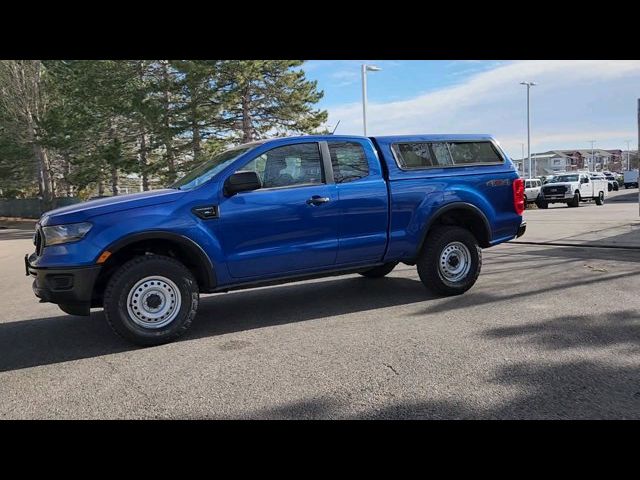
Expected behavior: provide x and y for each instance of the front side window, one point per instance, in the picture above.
(349, 161)
(287, 166)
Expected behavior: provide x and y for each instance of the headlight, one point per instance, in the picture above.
(65, 233)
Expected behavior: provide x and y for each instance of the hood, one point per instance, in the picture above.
(558, 184)
(80, 212)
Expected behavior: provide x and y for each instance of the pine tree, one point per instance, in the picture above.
(269, 97)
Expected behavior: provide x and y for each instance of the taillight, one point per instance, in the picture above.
(518, 195)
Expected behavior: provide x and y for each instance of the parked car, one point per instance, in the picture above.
(613, 183)
(532, 189)
(280, 210)
(573, 188)
(631, 179)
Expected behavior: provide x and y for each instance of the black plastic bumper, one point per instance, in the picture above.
(522, 229)
(71, 286)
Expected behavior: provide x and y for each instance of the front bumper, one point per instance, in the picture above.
(71, 286)
(557, 197)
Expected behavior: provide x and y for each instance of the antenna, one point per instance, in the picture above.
(335, 128)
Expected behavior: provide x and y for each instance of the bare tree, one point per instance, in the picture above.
(23, 98)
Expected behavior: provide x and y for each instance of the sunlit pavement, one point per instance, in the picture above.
(547, 332)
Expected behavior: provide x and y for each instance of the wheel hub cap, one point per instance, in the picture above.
(455, 262)
(154, 302)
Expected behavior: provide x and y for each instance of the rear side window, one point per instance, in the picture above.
(349, 161)
(422, 155)
(474, 152)
(412, 155)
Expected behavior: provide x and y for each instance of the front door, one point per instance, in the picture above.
(289, 225)
(586, 188)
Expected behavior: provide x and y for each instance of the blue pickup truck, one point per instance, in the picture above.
(276, 211)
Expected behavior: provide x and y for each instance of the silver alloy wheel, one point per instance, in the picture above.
(455, 262)
(154, 302)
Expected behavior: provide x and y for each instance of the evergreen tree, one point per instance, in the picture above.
(269, 97)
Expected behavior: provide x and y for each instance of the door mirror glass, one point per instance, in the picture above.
(243, 181)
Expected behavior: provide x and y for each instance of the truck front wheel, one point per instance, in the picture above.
(450, 261)
(151, 300)
(575, 201)
(540, 203)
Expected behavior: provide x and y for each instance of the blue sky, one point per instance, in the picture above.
(575, 101)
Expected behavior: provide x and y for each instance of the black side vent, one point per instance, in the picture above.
(37, 240)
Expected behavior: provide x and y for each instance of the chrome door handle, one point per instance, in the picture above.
(318, 200)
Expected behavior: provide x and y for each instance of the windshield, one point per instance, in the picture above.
(206, 170)
(565, 178)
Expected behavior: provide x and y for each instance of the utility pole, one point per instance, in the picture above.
(529, 85)
(364, 69)
(628, 163)
(593, 158)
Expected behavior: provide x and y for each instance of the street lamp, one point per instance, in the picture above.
(529, 85)
(593, 158)
(628, 166)
(366, 68)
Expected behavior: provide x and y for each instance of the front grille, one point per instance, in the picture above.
(37, 241)
(553, 190)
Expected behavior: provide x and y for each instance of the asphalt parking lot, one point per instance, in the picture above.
(548, 332)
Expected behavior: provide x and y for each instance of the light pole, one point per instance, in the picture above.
(628, 165)
(523, 175)
(366, 68)
(593, 158)
(529, 85)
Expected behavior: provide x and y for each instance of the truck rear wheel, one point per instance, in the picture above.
(151, 300)
(600, 199)
(450, 261)
(380, 271)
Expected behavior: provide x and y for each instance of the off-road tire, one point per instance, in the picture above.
(380, 271)
(542, 204)
(575, 201)
(429, 258)
(123, 280)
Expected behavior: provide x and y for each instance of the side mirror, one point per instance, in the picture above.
(241, 182)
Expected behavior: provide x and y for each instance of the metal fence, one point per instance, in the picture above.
(31, 207)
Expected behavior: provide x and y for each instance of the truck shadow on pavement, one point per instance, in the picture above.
(629, 196)
(571, 386)
(46, 341)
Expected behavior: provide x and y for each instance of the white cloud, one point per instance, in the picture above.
(574, 102)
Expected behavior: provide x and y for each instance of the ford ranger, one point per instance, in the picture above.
(276, 211)
(573, 188)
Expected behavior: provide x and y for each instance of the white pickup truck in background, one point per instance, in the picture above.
(573, 188)
(631, 179)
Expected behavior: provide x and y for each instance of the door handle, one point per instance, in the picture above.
(318, 200)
